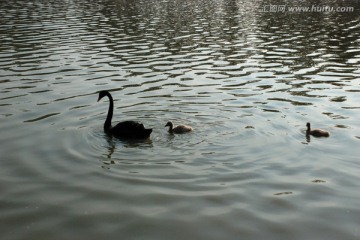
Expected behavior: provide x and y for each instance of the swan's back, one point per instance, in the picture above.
(130, 129)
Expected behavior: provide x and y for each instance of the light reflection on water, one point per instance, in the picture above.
(247, 81)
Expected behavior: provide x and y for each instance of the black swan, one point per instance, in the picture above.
(126, 129)
(316, 132)
(178, 129)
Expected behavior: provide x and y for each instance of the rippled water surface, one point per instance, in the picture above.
(247, 79)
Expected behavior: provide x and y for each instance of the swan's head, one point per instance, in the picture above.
(102, 94)
(169, 124)
(308, 125)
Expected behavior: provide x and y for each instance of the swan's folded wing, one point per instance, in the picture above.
(130, 129)
(129, 124)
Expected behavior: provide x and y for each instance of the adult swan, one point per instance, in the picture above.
(126, 129)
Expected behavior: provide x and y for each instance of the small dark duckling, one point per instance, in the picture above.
(179, 128)
(316, 132)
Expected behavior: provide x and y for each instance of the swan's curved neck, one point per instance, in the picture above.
(107, 124)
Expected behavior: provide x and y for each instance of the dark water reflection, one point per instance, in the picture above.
(246, 79)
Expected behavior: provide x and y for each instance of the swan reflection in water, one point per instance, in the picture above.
(113, 143)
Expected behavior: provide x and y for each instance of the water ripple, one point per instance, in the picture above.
(246, 80)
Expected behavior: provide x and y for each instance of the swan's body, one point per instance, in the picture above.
(179, 128)
(126, 129)
(316, 132)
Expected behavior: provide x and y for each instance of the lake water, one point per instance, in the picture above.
(246, 75)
